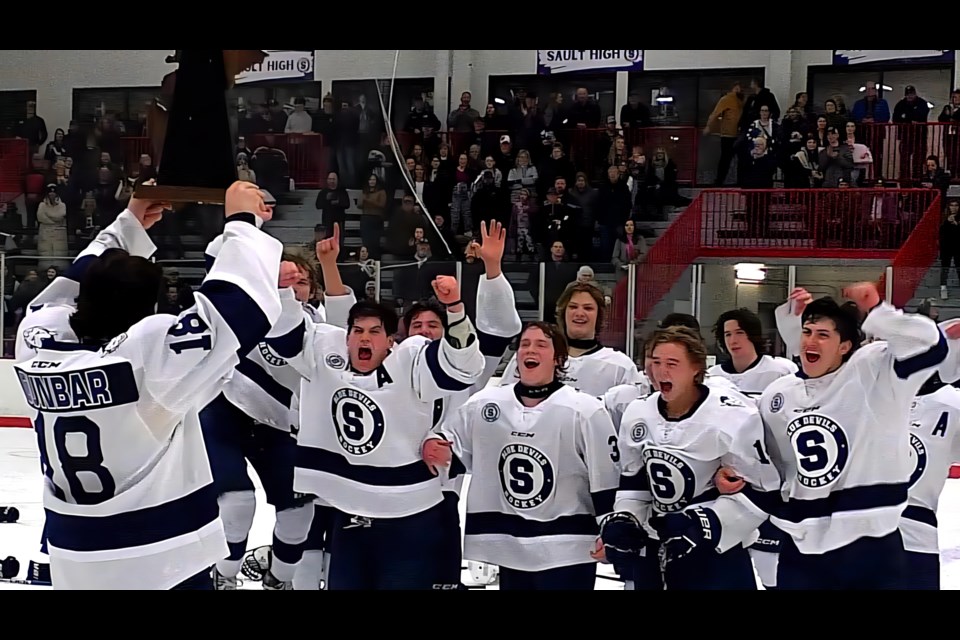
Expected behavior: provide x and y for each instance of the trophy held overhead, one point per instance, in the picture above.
(190, 128)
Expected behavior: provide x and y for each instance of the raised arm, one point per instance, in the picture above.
(338, 298)
(235, 308)
(454, 362)
(789, 324)
(498, 322)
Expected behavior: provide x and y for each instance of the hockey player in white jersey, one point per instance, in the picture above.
(543, 463)
(672, 445)
(498, 324)
(846, 464)
(128, 493)
(358, 449)
(48, 315)
(255, 419)
(739, 336)
(591, 367)
(934, 418)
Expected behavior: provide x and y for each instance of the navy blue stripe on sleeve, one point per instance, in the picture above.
(290, 344)
(444, 381)
(262, 379)
(770, 502)
(244, 317)
(603, 501)
(493, 346)
(926, 360)
(79, 267)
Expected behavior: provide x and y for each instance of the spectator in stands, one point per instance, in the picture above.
(803, 168)
(493, 121)
(359, 270)
(834, 118)
(420, 114)
(558, 165)
(323, 119)
(871, 109)
(759, 97)
(52, 219)
(522, 177)
(432, 144)
(793, 131)
(766, 127)
(527, 125)
(29, 288)
(662, 184)
(584, 113)
(912, 109)
(106, 196)
(490, 165)
(55, 149)
(33, 187)
(724, 120)
(802, 104)
(560, 222)
(244, 172)
(820, 132)
(462, 118)
(584, 198)
(557, 275)
(934, 177)
(630, 247)
(756, 171)
(635, 114)
(33, 128)
(490, 201)
(836, 161)
(332, 203)
(346, 141)
(10, 285)
(443, 244)
(555, 112)
(949, 244)
(300, 121)
(613, 209)
(461, 221)
(951, 134)
(373, 211)
(402, 238)
(476, 163)
(520, 230)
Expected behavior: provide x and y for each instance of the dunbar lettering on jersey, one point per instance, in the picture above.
(112, 385)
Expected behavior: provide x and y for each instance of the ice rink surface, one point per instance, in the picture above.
(21, 487)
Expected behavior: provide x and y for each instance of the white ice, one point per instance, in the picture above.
(21, 487)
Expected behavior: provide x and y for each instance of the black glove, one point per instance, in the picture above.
(623, 538)
(681, 533)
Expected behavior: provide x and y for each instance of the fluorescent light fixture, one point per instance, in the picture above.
(500, 101)
(665, 99)
(751, 273)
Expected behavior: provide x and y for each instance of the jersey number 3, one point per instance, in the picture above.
(90, 464)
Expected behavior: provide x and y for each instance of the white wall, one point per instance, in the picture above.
(54, 74)
(12, 404)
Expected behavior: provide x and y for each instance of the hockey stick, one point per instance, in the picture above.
(30, 583)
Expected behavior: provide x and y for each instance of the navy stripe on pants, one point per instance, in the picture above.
(922, 571)
(869, 564)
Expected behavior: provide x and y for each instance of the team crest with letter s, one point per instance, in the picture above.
(821, 447)
(358, 421)
(336, 361)
(776, 403)
(490, 412)
(526, 476)
(638, 432)
(672, 481)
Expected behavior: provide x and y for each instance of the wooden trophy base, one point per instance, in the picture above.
(181, 195)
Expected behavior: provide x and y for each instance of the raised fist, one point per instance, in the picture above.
(246, 197)
(289, 274)
(148, 212)
(328, 249)
(864, 294)
(800, 298)
(447, 289)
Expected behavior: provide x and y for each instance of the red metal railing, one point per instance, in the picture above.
(681, 145)
(900, 225)
(916, 255)
(14, 162)
(900, 151)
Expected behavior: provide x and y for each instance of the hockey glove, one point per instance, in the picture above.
(682, 533)
(623, 538)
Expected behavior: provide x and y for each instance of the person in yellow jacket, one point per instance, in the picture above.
(724, 120)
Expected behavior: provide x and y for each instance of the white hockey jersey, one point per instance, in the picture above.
(542, 477)
(129, 496)
(359, 446)
(668, 466)
(757, 376)
(841, 442)
(935, 444)
(593, 373)
(48, 315)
